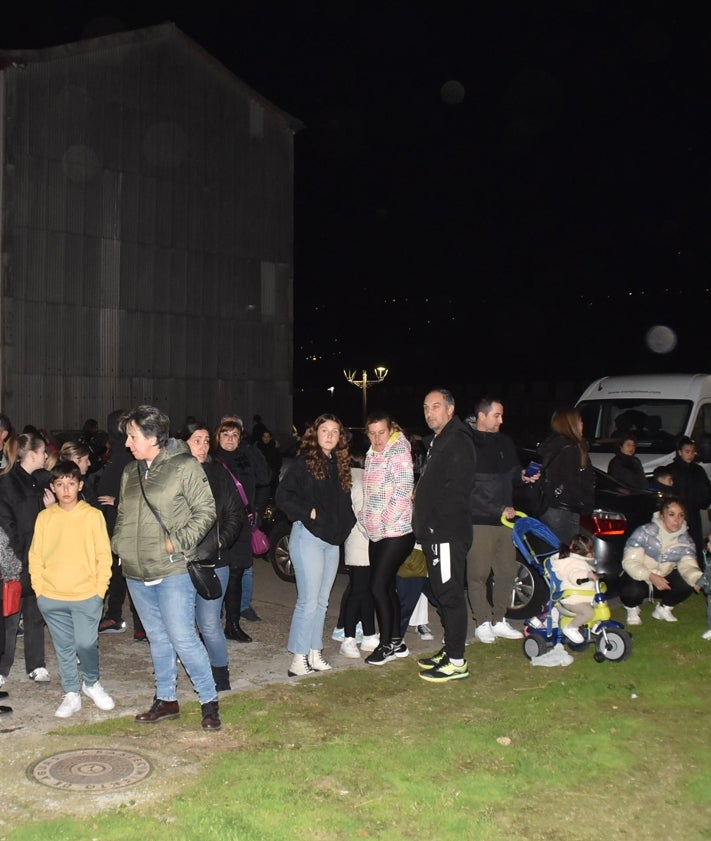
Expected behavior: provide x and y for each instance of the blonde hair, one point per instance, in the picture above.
(18, 446)
(70, 451)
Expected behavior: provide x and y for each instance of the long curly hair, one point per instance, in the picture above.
(316, 459)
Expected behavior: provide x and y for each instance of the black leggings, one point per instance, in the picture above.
(358, 604)
(633, 593)
(386, 557)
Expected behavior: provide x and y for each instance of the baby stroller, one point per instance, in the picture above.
(610, 639)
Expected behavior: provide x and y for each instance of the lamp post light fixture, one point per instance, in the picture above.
(364, 383)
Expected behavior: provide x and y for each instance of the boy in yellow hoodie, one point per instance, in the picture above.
(70, 568)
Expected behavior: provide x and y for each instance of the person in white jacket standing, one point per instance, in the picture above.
(357, 605)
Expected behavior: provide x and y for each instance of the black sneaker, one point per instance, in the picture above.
(250, 615)
(400, 649)
(434, 661)
(382, 654)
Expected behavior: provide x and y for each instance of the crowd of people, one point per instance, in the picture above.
(111, 519)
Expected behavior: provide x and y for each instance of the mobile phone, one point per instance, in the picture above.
(533, 469)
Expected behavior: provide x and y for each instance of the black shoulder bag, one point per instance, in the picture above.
(202, 575)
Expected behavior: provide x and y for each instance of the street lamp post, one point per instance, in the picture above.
(364, 383)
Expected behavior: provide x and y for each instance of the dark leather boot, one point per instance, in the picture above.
(159, 711)
(211, 716)
(222, 678)
(233, 599)
(233, 631)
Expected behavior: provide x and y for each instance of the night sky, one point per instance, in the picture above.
(487, 191)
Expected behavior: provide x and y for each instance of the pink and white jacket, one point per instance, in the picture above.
(388, 483)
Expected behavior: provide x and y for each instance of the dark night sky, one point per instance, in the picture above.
(536, 228)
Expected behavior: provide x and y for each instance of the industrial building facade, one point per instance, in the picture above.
(146, 199)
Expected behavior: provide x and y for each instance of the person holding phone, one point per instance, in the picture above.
(492, 551)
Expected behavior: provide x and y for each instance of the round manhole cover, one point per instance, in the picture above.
(91, 770)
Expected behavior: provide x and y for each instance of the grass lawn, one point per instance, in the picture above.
(515, 753)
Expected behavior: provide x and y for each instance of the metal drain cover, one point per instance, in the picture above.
(95, 769)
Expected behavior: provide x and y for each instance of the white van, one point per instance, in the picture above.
(657, 408)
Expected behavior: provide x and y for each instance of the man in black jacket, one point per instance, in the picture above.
(442, 524)
(492, 549)
(692, 486)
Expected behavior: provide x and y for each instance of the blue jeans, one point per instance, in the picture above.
(316, 566)
(167, 612)
(208, 615)
(74, 628)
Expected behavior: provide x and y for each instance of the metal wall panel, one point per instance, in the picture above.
(148, 235)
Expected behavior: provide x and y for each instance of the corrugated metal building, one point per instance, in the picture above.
(147, 235)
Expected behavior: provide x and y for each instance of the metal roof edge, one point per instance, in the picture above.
(162, 31)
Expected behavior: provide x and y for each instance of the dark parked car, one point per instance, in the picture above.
(619, 510)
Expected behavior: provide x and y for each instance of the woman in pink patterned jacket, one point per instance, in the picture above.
(386, 515)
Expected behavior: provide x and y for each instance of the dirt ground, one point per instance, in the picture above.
(32, 732)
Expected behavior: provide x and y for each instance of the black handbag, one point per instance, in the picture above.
(203, 575)
(205, 580)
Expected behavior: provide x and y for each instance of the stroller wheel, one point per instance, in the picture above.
(534, 646)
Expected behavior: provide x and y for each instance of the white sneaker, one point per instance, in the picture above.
(71, 703)
(41, 675)
(339, 634)
(633, 617)
(484, 633)
(424, 632)
(664, 612)
(573, 634)
(349, 648)
(318, 662)
(706, 635)
(370, 643)
(300, 666)
(99, 696)
(2, 680)
(505, 631)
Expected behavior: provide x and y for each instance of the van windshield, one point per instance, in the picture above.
(657, 424)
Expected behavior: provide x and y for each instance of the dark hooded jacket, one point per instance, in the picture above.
(299, 492)
(441, 511)
(497, 469)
